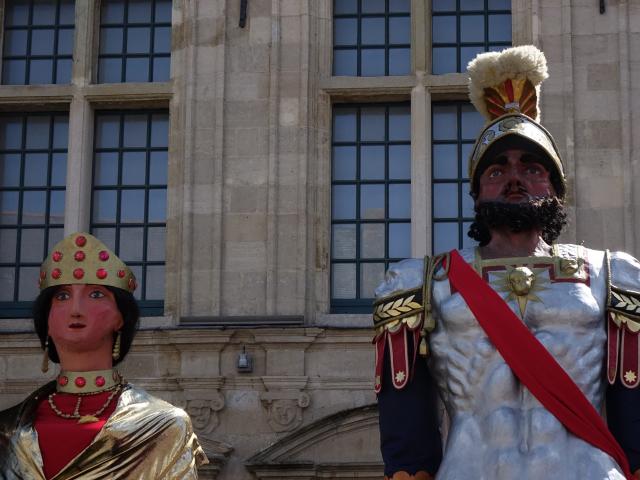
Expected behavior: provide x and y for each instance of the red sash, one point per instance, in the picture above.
(532, 363)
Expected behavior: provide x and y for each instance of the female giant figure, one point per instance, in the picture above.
(89, 423)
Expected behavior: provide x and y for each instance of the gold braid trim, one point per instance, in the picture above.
(624, 305)
(431, 264)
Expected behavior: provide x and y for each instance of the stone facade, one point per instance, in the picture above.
(248, 227)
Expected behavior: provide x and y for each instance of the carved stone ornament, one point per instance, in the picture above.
(204, 412)
(284, 402)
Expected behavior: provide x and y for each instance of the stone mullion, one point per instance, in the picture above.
(420, 170)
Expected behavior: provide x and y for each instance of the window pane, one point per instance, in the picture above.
(56, 208)
(161, 69)
(399, 30)
(65, 41)
(399, 240)
(345, 31)
(110, 70)
(157, 205)
(133, 168)
(471, 4)
(8, 208)
(33, 207)
(10, 133)
(154, 288)
(467, 54)
(8, 239)
(467, 241)
(156, 244)
(55, 235)
(445, 200)
(400, 6)
(32, 246)
(41, 72)
(443, 5)
(163, 11)
(35, 169)
(17, 13)
(159, 130)
(444, 60)
(38, 132)
(399, 124)
(111, 40)
(343, 204)
(105, 169)
(467, 202)
(15, 42)
(372, 201)
(372, 240)
(107, 236)
(372, 63)
(466, 154)
(372, 162)
(345, 62)
(139, 11)
(499, 28)
(344, 125)
(345, 6)
(445, 161)
(104, 206)
(499, 4)
(373, 31)
(472, 122)
(138, 40)
(344, 163)
(371, 275)
(399, 61)
(44, 12)
(135, 131)
(112, 11)
(444, 29)
(67, 12)
(132, 206)
(28, 284)
(158, 168)
(372, 124)
(60, 132)
(445, 123)
(7, 282)
(445, 237)
(343, 241)
(400, 162)
(42, 42)
(9, 170)
(132, 244)
(373, 6)
(343, 284)
(472, 28)
(399, 201)
(162, 40)
(137, 70)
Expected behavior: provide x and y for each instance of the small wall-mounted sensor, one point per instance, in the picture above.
(245, 362)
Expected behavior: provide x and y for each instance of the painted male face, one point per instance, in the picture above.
(83, 318)
(515, 176)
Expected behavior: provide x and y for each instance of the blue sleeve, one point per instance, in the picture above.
(409, 433)
(623, 417)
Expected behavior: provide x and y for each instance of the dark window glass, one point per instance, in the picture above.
(129, 207)
(38, 42)
(370, 199)
(371, 37)
(135, 41)
(454, 128)
(33, 167)
(460, 29)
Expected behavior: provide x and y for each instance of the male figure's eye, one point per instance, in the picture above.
(495, 173)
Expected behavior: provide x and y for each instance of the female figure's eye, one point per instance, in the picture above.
(97, 294)
(62, 295)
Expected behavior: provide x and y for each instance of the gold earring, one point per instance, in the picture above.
(116, 346)
(45, 358)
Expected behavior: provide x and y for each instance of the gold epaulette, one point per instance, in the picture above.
(399, 308)
(624, 305)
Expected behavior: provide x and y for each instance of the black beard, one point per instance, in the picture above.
(545, 214)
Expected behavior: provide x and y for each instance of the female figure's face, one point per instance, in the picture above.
(82, 321)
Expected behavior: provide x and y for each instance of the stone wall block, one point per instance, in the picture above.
(603, 76)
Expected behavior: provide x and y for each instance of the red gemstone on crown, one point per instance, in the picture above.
(101, 273)
(56, 256)
(121, 273)
(132, 284)
(103, 255)
(56, 273)
(100, 381)
(80, 382)
(78, 273)
(79, 256)
(81, 240)
(62, 380)
(43, 275)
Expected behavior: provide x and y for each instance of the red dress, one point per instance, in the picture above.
(62, 439)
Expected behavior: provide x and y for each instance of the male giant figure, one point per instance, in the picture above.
(581, 305)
